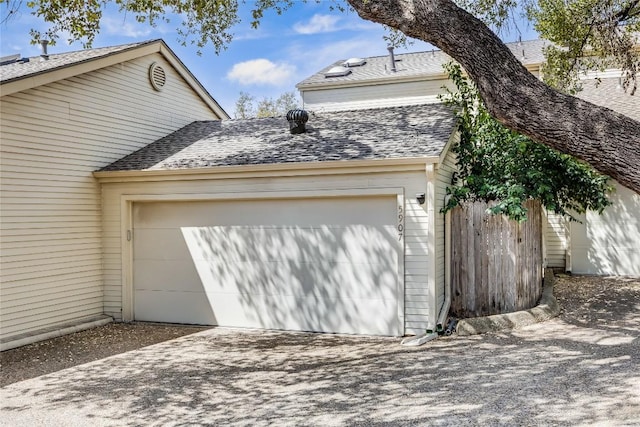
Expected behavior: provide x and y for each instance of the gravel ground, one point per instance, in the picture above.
(578, 369)
(584, 299)
(59, 353)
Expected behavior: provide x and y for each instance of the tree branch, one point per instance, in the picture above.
(607, 140)
(626, 13)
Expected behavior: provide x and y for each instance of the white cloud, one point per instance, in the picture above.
(317, 24)
(315, 59)
(251, 34)
(114, 25)
(262, 71)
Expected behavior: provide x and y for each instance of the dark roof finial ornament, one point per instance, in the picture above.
(297, 120)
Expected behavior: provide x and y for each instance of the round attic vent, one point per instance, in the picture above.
(157, 76)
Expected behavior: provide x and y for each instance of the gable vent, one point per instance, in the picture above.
(157, 76)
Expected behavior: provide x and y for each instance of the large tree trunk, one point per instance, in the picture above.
(607, 140)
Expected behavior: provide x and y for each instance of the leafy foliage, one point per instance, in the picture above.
(244, 106)
(587, 35)
(203, 22)
(247, 107)
(498, 164)
(498, 13)
(582, 30)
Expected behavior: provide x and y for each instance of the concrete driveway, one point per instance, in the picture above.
(572, 370)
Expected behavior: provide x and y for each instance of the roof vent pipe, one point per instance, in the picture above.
(393, 59)
(297, 120)
(44, 44)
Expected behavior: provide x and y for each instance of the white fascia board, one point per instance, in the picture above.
(338, 167)
(369, 82)
(455, 137)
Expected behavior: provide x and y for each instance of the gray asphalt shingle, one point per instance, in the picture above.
(608, 92)
(413, 65)
(384, 133)
(36, 65)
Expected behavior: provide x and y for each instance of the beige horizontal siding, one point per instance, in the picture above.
(377, 94)
(54, 238)
(14, 277)
(53, 316)
(50, 285)
(374, 96)
(556, 240)
(52, 138)
(418, 297)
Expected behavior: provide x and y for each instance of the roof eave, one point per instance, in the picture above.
(277, 169)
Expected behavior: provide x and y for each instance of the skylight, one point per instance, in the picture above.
(338, 71)
(354, 62)
(9, 59)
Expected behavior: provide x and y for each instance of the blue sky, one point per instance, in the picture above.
(265, 62)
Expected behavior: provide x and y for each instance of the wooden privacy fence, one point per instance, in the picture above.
(496, 263)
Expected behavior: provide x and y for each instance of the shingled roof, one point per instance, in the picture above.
(384, 133)
(36, 65)
(412, 65)
(608, 92)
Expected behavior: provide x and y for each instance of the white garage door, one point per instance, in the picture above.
(326, 265)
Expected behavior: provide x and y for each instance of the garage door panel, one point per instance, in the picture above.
(326, 280)
(163, 275)
(160, 244)
(305, 314)
(354, 243)
(302, 213)
(327, 265)
(154, 306)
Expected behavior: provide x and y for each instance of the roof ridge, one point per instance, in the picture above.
(436, 50)
(93, 49)
(34, 66)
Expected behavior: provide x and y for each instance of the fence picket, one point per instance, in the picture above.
(496, 263)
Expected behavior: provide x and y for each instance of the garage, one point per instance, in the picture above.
(326, 264)
(242, 223)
